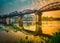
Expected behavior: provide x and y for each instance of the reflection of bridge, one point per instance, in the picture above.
(49, 7)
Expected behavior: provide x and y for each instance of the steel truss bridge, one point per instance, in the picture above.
(50, 7)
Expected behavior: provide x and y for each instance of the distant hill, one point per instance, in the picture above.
(50, 19)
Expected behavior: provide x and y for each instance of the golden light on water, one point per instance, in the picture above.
(50, 27)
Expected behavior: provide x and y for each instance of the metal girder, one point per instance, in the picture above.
(17, 14)
(50, 7)
(55, 6)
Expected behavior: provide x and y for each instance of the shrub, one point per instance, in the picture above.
(55, 38)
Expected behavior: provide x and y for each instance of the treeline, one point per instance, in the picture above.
(50, 19)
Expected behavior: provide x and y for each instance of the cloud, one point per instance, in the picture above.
(17, 5)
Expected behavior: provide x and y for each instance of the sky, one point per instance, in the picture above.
(7, 6)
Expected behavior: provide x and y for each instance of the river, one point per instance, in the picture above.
(50, 27)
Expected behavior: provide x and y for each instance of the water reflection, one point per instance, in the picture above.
(50, 27)
(29, 25)
(29, 22)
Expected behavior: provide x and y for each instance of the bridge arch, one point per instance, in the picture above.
(50, 7)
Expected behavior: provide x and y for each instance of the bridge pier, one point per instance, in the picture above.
(20, 18)
(4, 21)
(10, 20)
(38, 23)
(0, 20)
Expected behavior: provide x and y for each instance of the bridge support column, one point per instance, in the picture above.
(38, 23)
(20, 21)
(4, 21)
(10, 21)
(0, 20)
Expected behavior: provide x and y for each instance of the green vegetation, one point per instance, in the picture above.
(16, 28)
(3, 29)
(55, 38)
(13, 27)
(26, 40)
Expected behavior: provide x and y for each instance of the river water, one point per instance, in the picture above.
(50, 27)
